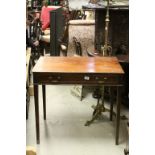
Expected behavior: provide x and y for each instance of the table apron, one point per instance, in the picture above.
(84, 79)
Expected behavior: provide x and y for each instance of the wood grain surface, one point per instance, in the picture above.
(78, 65)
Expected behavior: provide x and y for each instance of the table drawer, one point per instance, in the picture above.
(80, 78)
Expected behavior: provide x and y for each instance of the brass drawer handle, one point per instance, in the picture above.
(97, 78)
(86, 78)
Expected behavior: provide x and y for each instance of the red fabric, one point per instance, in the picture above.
(45, 17)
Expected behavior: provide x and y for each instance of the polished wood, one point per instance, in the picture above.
(57, 23)
(118, 114)
(44, 100)
(36, 101)
(111, 102)
(78, 65)
(76, 70)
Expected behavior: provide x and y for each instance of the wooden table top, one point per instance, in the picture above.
(78, 65)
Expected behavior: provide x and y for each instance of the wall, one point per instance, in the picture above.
(77, 4)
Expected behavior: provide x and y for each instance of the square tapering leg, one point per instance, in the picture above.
(36, 101)
(44, 100)
(111, 102)
(118, 114)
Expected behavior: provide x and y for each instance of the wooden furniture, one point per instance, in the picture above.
(124, 62)
(64, 70)
(57, 23)
(62, 31)
(84, 31)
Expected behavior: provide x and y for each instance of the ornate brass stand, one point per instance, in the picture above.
(99, 108)
(107, 51)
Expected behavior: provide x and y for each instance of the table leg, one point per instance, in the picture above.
(118, 114)
(111, 102)
(26, 112)
(44, 100)
(36, 101)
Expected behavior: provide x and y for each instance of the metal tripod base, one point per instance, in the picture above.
(97, 112)
(99, 108)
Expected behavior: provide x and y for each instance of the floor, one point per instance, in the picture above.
(64, 133)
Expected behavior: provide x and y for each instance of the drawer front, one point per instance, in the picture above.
(74, 78)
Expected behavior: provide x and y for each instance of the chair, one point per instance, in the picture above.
(45, 20)
(33, 33)
(71, 16)
(84, 31)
